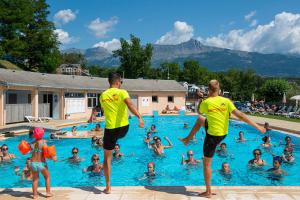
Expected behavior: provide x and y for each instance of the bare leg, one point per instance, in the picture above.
(35, 182)
(207, 176)
(107, 169)
(46, 175)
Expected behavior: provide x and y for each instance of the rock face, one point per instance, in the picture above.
(214, 58)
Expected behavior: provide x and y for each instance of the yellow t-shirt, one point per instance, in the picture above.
(217, 110)
(114, 107)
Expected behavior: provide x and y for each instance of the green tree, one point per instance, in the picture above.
(273, 89)
(170, 71)
(74, 58)
(194, 73)
(26, 36)
(135, 60)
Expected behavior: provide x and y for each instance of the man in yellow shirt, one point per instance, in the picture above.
(217, 110)
(114, 102)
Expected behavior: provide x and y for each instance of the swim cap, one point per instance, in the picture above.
(38, 133)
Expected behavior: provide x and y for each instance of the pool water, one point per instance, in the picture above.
(128, 170)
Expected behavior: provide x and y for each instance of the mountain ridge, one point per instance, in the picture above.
(214, 58)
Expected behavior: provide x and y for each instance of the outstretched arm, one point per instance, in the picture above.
(200, 122)
(133, 109)
(170, 143)
(246, 119)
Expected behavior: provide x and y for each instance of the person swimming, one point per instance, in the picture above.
(225, 168)
(267, 127)
(222, 150)
(185, 125)
(191, 160)
(74, 157)
(276, 169)
(117, 153)
(74, 130)
(287, 156)
(26, 172)
(96, 167)
(97, 128)
(267, 142)
(256, 161)
(153, 128)
(158, 148)
(5, 155)
(288, 143)
(151, 170)
(241, 137)
(147, 139)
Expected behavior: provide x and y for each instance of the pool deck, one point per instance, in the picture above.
(162, 193)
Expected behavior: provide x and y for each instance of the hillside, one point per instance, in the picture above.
(216, 59)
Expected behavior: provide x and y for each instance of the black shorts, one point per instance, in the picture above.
(210, 144)
(111, 136)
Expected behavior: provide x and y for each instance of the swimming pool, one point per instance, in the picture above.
(128, 170)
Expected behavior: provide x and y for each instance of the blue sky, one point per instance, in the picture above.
(252, 25)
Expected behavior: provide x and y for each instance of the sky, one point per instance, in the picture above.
(266, 26)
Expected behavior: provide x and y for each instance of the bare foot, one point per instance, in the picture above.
(48, 194)
(35, 196)
(205, 194)
(107, 191)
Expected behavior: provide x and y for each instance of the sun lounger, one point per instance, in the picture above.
(45, 119)
(31, 119)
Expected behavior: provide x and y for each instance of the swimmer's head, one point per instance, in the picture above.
(241, 134)
(38, 133)
(52, 136)
(151, 167)
(148, 135)
(190, 154)
(223, 146)
(117, 147)
(266, 139)
(95, 158)
(155, 138)
(4, 148)
(98, 126)
(28, 160)
(225, 167)
(277, 160)
(288, 139)
(94, 139)
(257, 152)
(158, 141)
(213, 86)
(74, 128)
(153, 126)
(75, 151)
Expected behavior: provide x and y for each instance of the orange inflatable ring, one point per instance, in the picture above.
(24, 147)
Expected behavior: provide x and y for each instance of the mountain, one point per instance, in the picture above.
(214, 58)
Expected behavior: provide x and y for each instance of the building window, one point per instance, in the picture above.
(170, 99)
(92, 100)
(154, 99)
(12, 98)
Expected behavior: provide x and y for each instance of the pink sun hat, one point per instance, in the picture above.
(38, 133)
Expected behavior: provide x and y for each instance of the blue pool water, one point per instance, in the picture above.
(128, 170)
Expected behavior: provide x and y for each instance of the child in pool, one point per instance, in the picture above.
(38, 163)
(276, 170)
(267, 142)
(151, 170)
(26, 173)
(117, 153)
(287, 156)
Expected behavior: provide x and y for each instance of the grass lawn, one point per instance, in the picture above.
(277, 117)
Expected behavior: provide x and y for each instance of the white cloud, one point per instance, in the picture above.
(181, 32)
(100, 27)
(249, 18)
(281, 35)
(64, 16)
(253, 23)
(250, 15)
(112, 45)
(64, 37)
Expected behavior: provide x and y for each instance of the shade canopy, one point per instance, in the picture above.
(297, 97)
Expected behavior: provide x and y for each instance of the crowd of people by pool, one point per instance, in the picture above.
(115, 102)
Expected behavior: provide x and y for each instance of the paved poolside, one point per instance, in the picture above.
(163, 193)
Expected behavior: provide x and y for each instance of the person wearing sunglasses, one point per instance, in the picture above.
(256, 161)
(114, 102)
(96, 167)
(191, 160)
(74, 157)
(6, 156)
